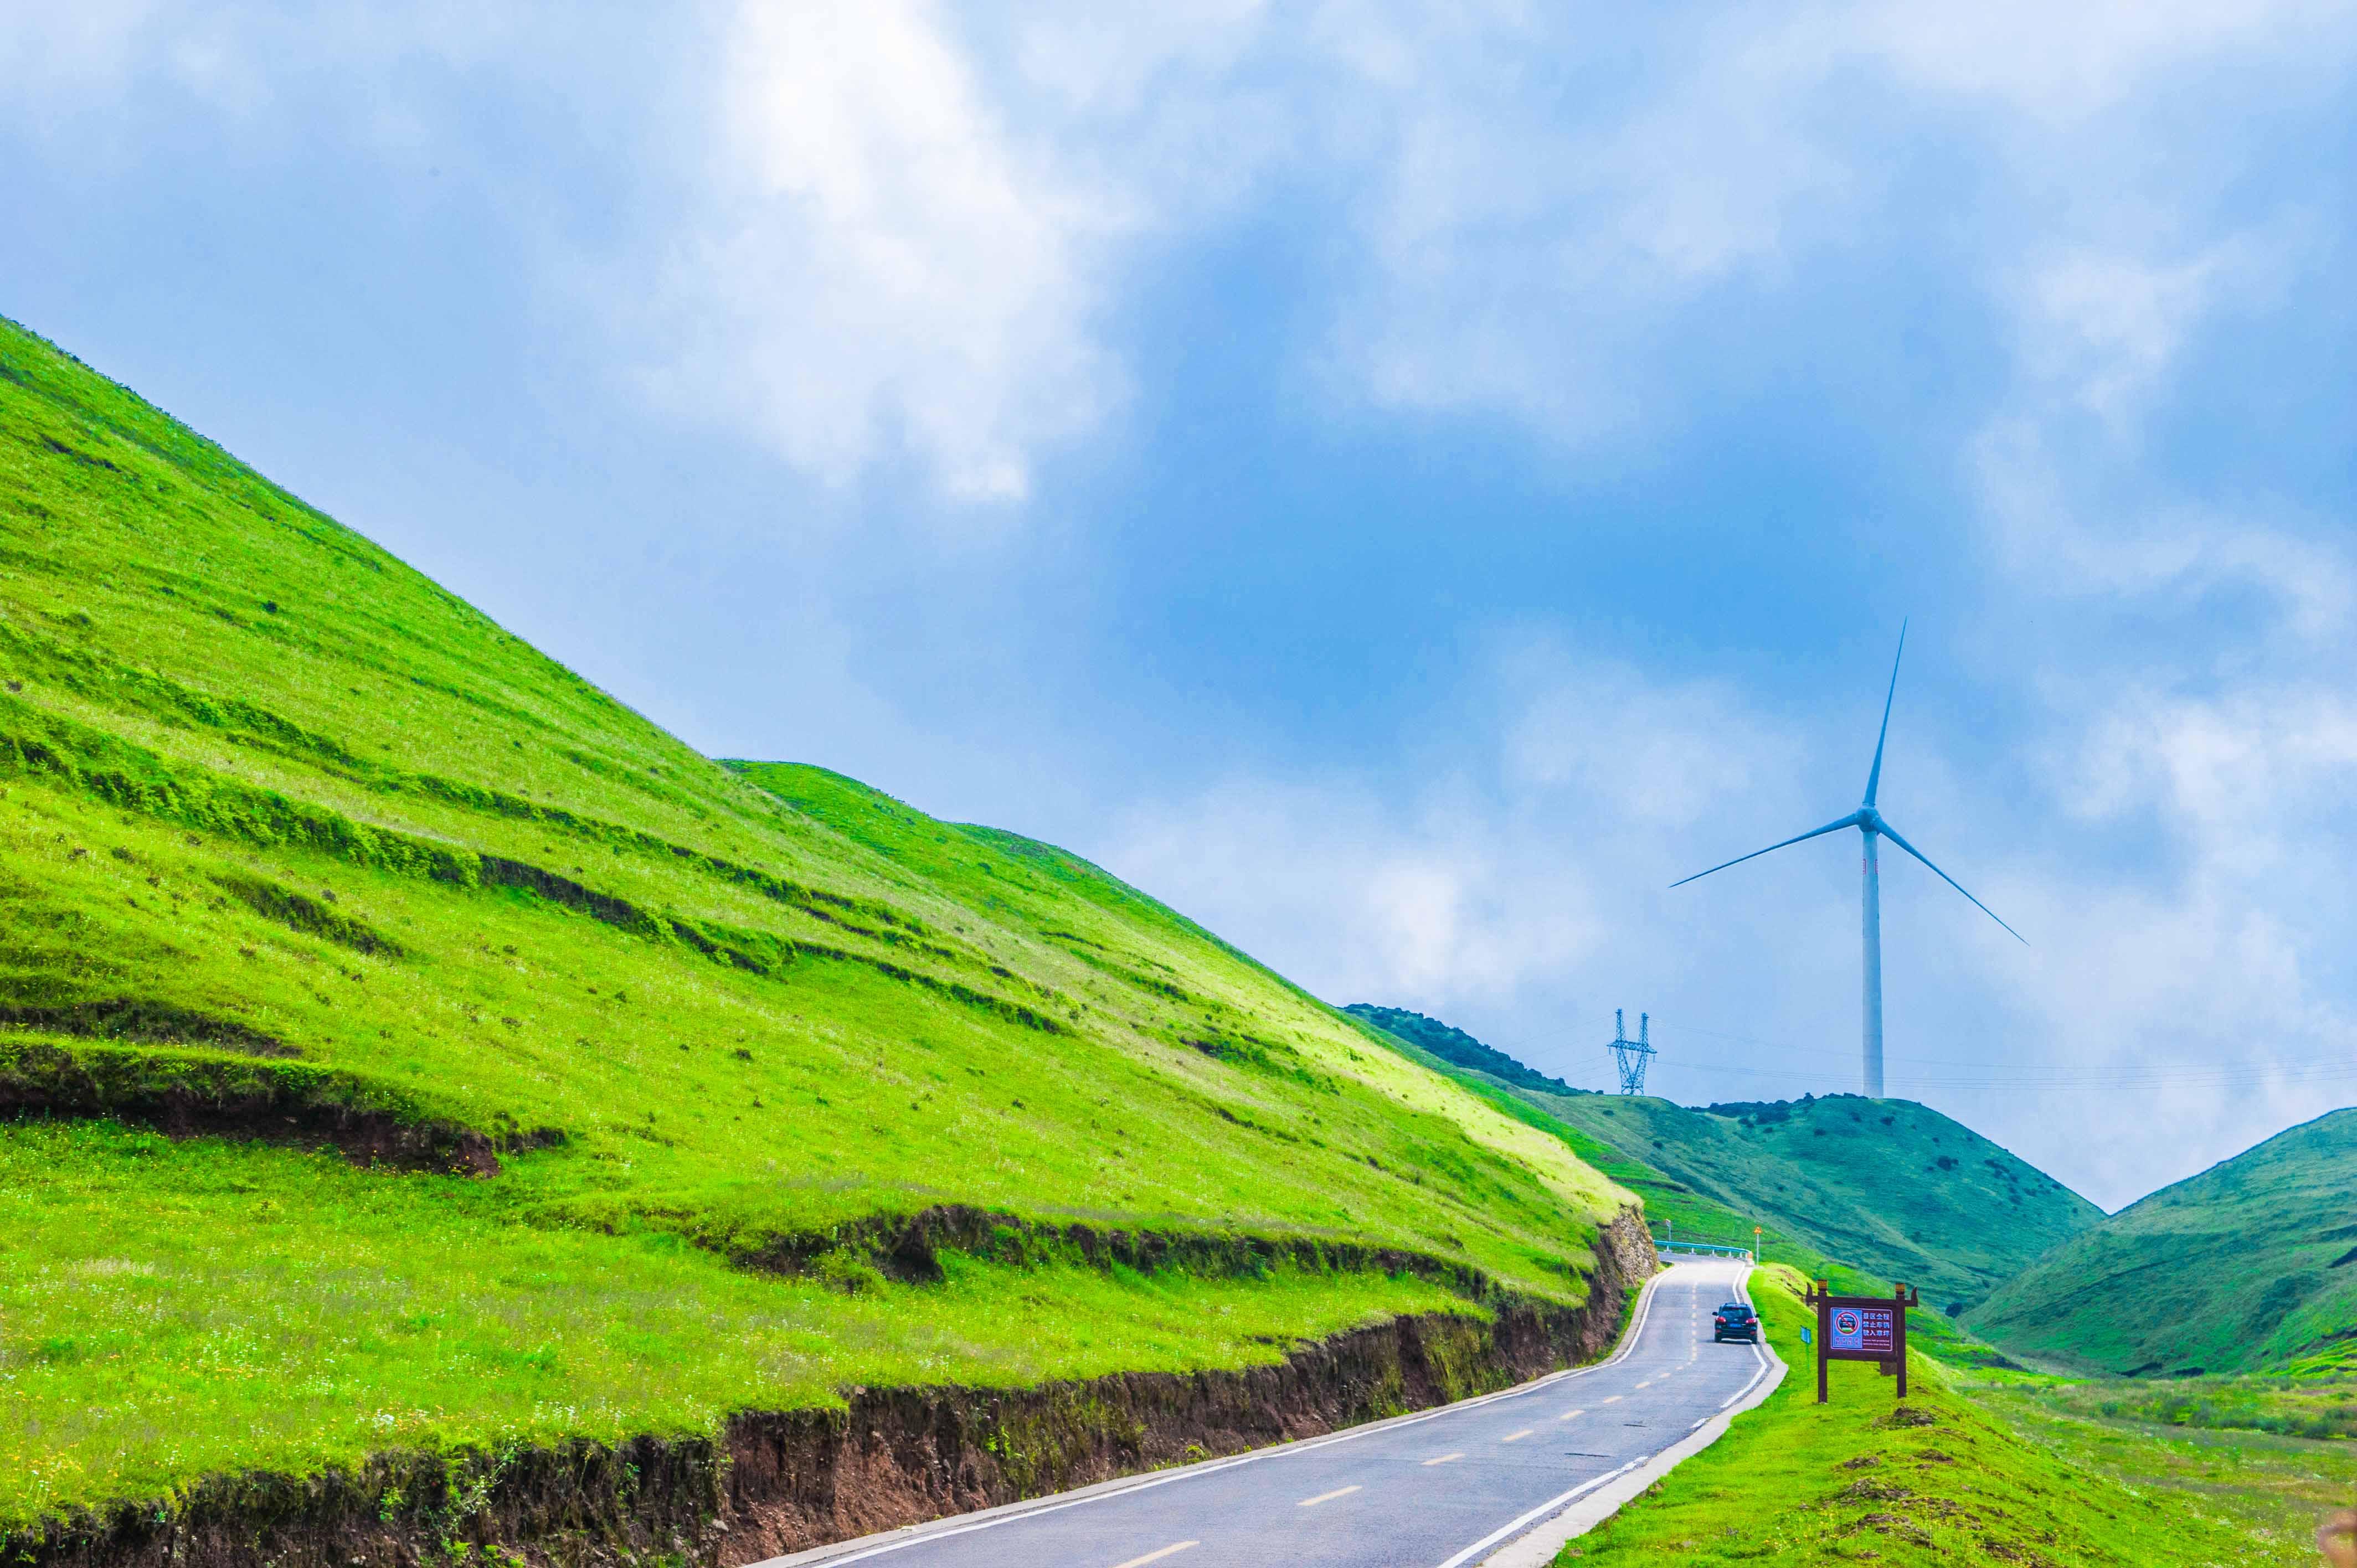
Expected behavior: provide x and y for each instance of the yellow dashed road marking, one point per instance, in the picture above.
(1171, 1550)
(1325, 1497)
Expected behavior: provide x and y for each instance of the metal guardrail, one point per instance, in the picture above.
(1704, 1249)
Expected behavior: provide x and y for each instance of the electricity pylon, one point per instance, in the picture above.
(1631, 1056)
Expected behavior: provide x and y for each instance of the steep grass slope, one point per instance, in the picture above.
(576, 1083)
(2252, 1263)
(1888, 1186)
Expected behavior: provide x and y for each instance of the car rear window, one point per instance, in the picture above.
(1736, 1309)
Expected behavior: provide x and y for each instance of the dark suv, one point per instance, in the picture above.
(1734, 1321)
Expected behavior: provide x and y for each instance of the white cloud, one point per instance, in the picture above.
(2103, 329)
(1364, 900)
(880, 264)
(2063, 63)
(1570, 781)
(870, 235)
(1535, 231)
(911, 225)
(2194, 727)
(2062, 524)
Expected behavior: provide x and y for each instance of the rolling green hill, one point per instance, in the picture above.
(569, 1083)
(1889, 1187)
(2251, 1264)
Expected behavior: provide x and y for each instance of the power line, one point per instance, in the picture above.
(2057, 1075)
(2086, 1080)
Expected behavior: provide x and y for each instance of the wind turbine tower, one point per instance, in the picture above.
(1631, 1056)
(1872, 825)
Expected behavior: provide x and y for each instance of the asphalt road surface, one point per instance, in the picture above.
(1441, 1490)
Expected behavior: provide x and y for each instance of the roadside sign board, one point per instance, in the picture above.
(1862, 1328)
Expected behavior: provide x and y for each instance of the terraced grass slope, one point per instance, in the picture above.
(1889, 1187)
(2251, 1264)
(573, 1083)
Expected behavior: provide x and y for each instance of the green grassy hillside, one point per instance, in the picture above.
(578, 1083)
(1890, 1187)
(2253, 1264)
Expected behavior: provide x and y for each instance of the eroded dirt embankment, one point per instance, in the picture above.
(186, 1095)
(773, 1483)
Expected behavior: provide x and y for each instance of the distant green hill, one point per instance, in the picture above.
(569, 1083)
(1888, 1186)
(1458, 1049)
(2252, 1263)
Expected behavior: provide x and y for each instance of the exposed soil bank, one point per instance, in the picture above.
(281, 1103)
(773, 1483)
(907, 1247)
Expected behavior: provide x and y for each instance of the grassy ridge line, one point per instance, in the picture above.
(1887, 1185)
(1187, 989)
(1793, 1481)
(1893, 1186)
(1667, 1202)
(2250, 1265)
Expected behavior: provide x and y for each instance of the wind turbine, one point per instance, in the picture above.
(1870, 825)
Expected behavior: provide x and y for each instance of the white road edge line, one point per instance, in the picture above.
(1579, 1517)
(1171, 1550)
(852, 1551)
(1326, 1497)
(1540, 1512)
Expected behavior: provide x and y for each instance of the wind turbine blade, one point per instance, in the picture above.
(1850, 821)
(1874, 777)
(1951, 881)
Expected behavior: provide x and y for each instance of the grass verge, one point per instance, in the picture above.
(1941, 1479)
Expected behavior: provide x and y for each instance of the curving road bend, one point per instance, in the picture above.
(1444, 1488)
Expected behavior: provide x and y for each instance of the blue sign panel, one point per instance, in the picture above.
(1862, 1328)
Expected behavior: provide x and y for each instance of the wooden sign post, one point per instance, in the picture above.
(1862, 1328)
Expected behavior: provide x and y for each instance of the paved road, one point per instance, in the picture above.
(1441, 1490)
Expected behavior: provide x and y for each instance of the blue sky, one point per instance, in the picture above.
(1404, 487)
